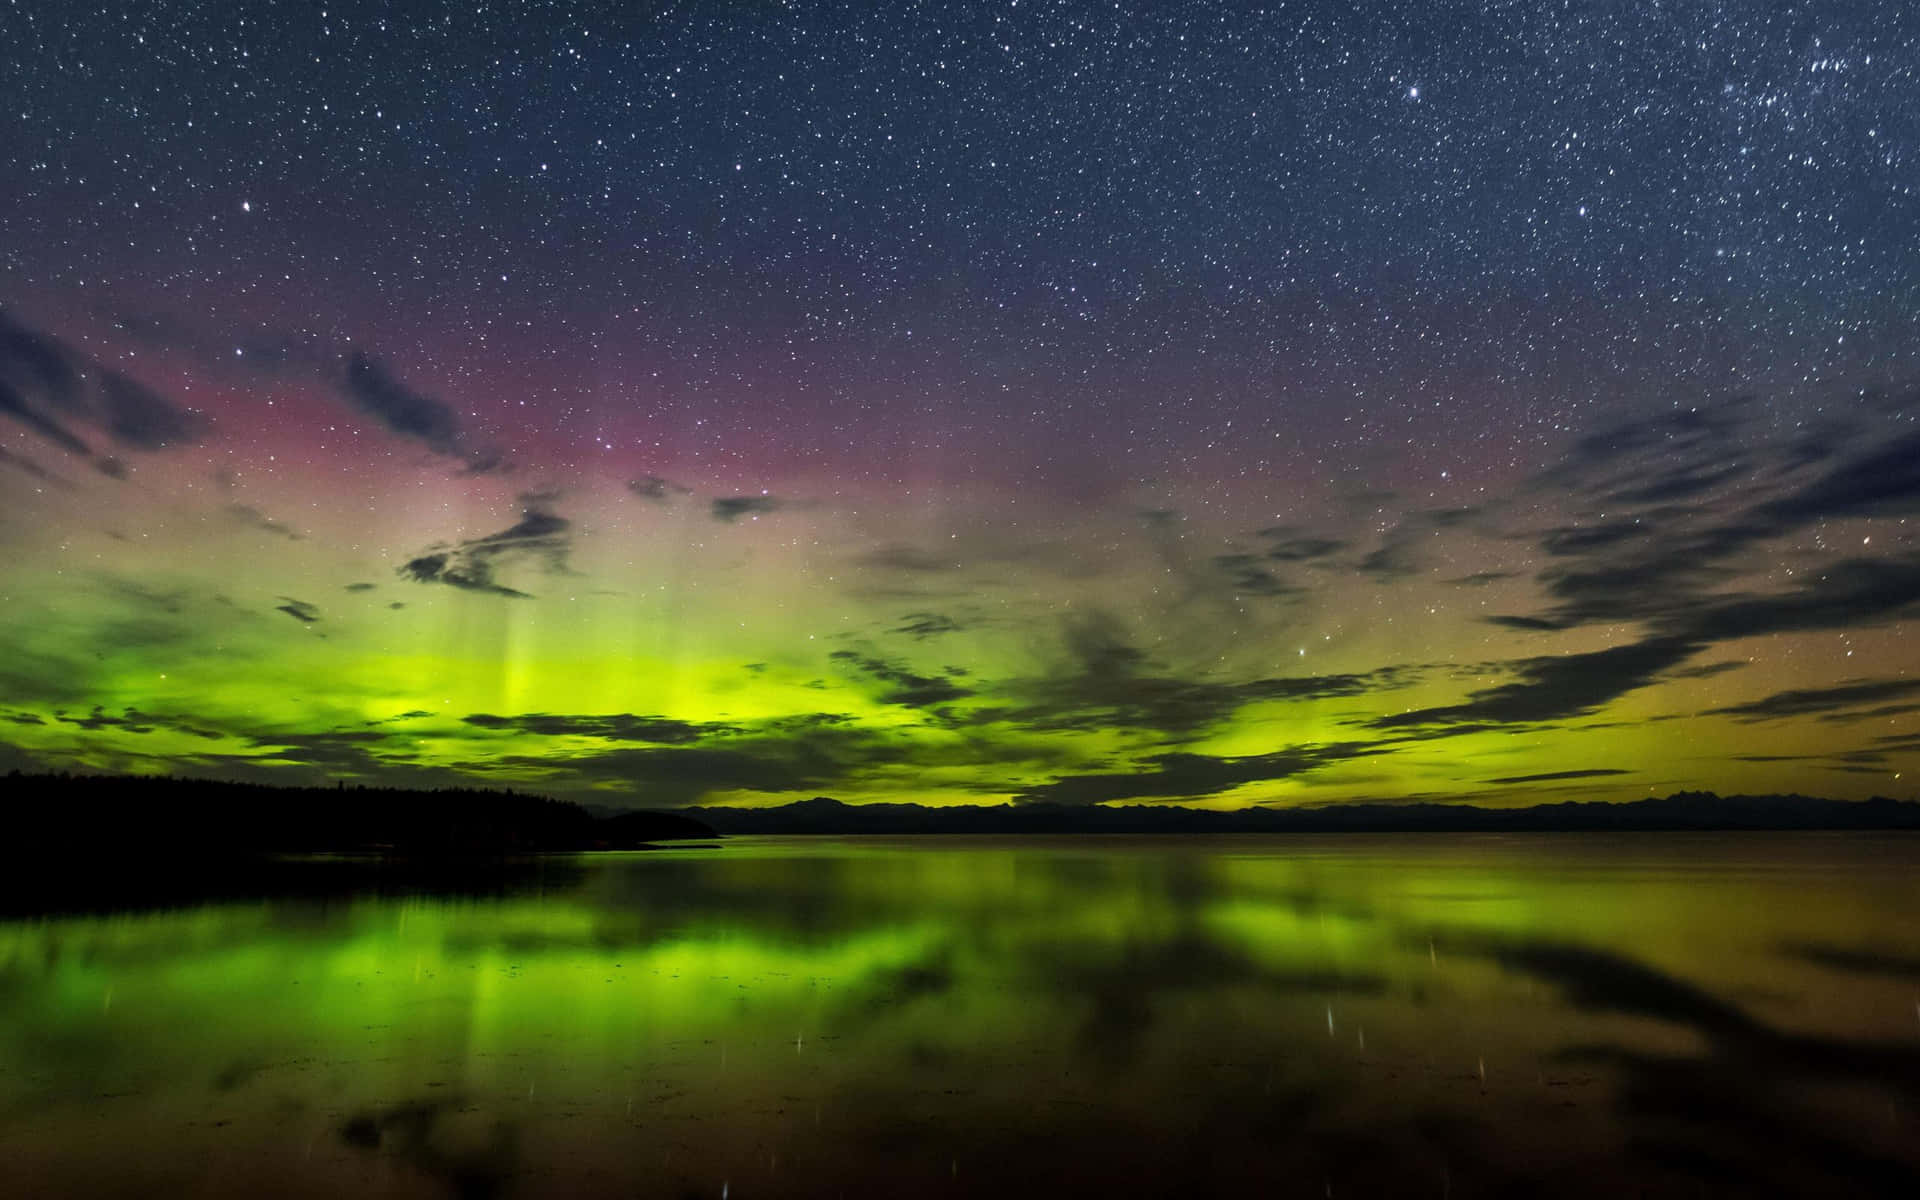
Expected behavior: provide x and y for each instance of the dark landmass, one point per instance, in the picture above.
(81, 843)
(63, 813)
(1703, 811)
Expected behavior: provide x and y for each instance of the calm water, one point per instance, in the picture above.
(1437, 1016)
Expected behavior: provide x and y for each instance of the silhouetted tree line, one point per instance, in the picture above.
(165, 813)
(1682, 811)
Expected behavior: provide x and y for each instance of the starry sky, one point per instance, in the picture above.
(1218, 404)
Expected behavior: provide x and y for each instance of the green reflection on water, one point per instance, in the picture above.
(805, 1016)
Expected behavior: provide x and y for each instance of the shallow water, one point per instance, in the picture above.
(1428, 1016)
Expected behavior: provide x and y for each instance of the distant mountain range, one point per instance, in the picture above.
(1680, 811)
(204, 817)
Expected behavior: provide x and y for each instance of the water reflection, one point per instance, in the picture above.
(1439, 1016)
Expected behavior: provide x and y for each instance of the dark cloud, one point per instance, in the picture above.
(731, 508)
(1553, 776)
(15, 405)
(1292, 546)
(411, 715)
(374, 389)
(356, 753)
(1670, 563)
(1577, 539)
(45, 385)
(137, 416)
(1483, 578)
(1107, 682)
(299, 610)
(1181, 776)
(1708, 670)
(19, 463)
(1246, 574)
(616, 727)
(379, 392)
(132, 720)
(361, 587)
(1689, 482)
(653, 487)
(471, 577)
(253, 518)
(1556, 687)
(1852, 593)
(540, 538)
(1870, 714)
(903, 686)
(1532, 624)
(1840, 698)
(1399, 553)
(1849, 594)
(1882, 482)
(1674, 433)
(905, 558)
(365, 382)
(919, 625)
(674, 775)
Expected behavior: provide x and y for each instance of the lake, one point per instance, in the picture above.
(1443, 1016)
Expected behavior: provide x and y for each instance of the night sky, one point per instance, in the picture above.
(738, 402)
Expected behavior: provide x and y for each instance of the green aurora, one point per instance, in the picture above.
(212, 611)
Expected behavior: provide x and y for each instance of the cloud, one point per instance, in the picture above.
(1292, 546)
(19, 462)
(139, 417)
(299, 610)
(921, 625)
(1551, 776)
(653, 487)
(1576, 539)
(731, 508)
(444, 568)
(1531, 624)
(1884, 481)
(15, 405)
(377, 391)
(539, 536)
(1848, 594)
(1840, 698)
(361, 587)
(1556, 687)
(1181, 776)
(374, 389)
(1689, 482)
(674, 775)
(1398, 554)
(132, 720)
(618, 727)
(904, 687)
(1107, 682)
(905, 558)
(252, 517)
(365, 382)
(45, 385)
(1676, 432)
(1246, 575)
(1668, 563)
